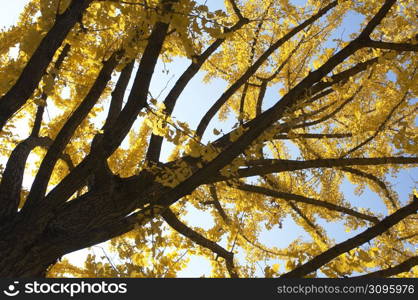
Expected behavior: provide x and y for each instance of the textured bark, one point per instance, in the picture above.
(12, 177)
(39, 216)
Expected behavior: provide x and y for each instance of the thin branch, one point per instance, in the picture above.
(217, 204)
(407, 237)
(316, 89)
(204, 122)
(342, 76)
(326, 117)
(265, 81)
(251, 60)
(314, 136)
(378, 130)
(260, 98)
(236, 9)
(40, 111)
(196, 237)
(375, 179)
(299, 198)
(312, 225)
(242, 103)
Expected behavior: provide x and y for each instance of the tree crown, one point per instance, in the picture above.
(306, 106)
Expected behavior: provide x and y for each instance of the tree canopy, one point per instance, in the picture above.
(305, 108)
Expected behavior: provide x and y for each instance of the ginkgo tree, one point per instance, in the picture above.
(348, 106)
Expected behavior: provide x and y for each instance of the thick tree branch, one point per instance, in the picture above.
(325, 257)
(405, 266)
(45, 170)
(38, 120)
(237, 11)
(137, 99)
(53, 246)
(115, 134)
(118, 94)
(39, 61)
(377, 18)
(12, 177)
(392, 46)
(170, 101)
(267, 166)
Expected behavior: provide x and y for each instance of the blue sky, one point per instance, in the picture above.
(10, 12)
(194, 102)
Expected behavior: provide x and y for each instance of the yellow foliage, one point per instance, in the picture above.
(309, 115)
